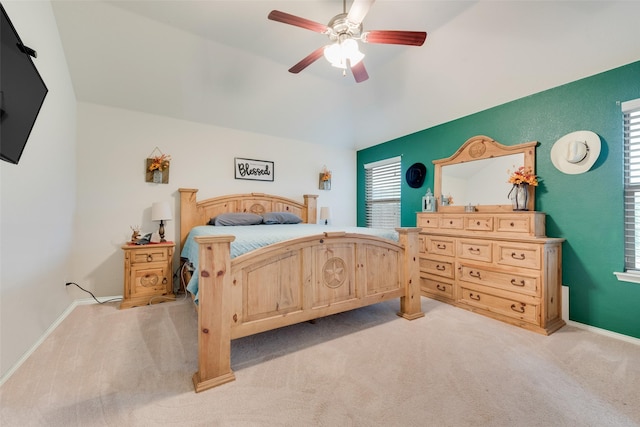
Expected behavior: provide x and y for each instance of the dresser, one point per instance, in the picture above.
(148, 277)
(498, 264)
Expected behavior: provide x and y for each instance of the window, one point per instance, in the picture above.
(631, 113)
(382, 193)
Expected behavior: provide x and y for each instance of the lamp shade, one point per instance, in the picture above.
(161, 211)
(325, 214)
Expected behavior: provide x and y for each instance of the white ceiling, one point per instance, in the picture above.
(224, 63)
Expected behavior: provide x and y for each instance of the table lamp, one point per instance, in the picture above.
(161, 211)
(324, 214)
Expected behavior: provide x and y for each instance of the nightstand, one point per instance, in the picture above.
(148, 274)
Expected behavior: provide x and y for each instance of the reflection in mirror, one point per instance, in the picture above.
(480, 182)
(477, 174)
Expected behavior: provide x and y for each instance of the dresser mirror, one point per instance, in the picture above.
(477, 175)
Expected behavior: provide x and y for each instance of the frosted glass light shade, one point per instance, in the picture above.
(338, 53)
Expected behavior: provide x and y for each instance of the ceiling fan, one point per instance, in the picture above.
(344, 31)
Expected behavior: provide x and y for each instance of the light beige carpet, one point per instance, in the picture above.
(106, 367)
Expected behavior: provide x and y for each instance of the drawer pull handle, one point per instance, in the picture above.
(164, 280)
(441, 287)
(515, 283)
(440, 267)
(516, 309)
(516, 256)
(450, 222)
(474, 250)
(512, 224)
(475, 274)
(441, 246)
(475, 297)
(149, 258)
(477, 222)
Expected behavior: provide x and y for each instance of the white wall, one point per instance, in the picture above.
(113, 145)
(38, 197)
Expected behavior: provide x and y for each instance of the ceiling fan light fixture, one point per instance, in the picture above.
(344, 31)
(339, 52)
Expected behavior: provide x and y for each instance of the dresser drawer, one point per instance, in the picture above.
(440, 245)
(436, 286)
(527, 285)
(479, 223)
(501, 305)
(519, 255)
(439, 268)
(452, 222)
(427, 221)
(479, 250)
(514, 224)
(149, 254)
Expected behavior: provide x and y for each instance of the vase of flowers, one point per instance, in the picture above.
(521, 179)
(325, 179)
(157, 166)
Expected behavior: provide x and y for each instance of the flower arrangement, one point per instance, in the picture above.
(325, 175)
(446, 200)
(159, 163)
(523, 175)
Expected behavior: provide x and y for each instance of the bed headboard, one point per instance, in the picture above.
(193, 213)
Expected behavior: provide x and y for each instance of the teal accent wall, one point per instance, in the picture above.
(585, 209)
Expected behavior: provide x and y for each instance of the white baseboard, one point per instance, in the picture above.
(49, 330)
(599, 331)
(605, 332)
(565, 304)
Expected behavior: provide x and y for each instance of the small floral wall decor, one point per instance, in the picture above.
(325, 179)
(157, 167)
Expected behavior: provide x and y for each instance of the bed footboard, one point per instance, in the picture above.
(292, 282)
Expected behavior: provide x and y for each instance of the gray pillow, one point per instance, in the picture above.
(239, 218)
(280, 218)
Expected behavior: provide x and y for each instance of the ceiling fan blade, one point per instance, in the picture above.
(308, 60)
(359, 72)
(359, 10)
(276, 15)
(409, 38)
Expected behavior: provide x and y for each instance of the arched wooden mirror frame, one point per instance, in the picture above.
(479, 148)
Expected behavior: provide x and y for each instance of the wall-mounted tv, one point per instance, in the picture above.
(22, 92)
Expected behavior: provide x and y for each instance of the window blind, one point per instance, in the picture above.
(382, 193)
(631, 124)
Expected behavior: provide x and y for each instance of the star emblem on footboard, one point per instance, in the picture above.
(333, 272)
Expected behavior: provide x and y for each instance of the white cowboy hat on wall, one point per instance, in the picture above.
(576, 152)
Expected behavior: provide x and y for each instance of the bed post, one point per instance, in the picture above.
(410, 304)
(311, 203)
(214, 313)
(188, 212)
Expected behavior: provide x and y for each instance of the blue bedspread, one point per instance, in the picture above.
(251, 237)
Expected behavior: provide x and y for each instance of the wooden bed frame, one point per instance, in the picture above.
(289, 282)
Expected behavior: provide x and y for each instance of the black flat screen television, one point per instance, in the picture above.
(22, 92)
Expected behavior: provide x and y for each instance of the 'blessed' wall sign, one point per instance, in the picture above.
(257, 170)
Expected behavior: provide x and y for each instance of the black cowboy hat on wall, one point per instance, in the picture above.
(416, 174)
